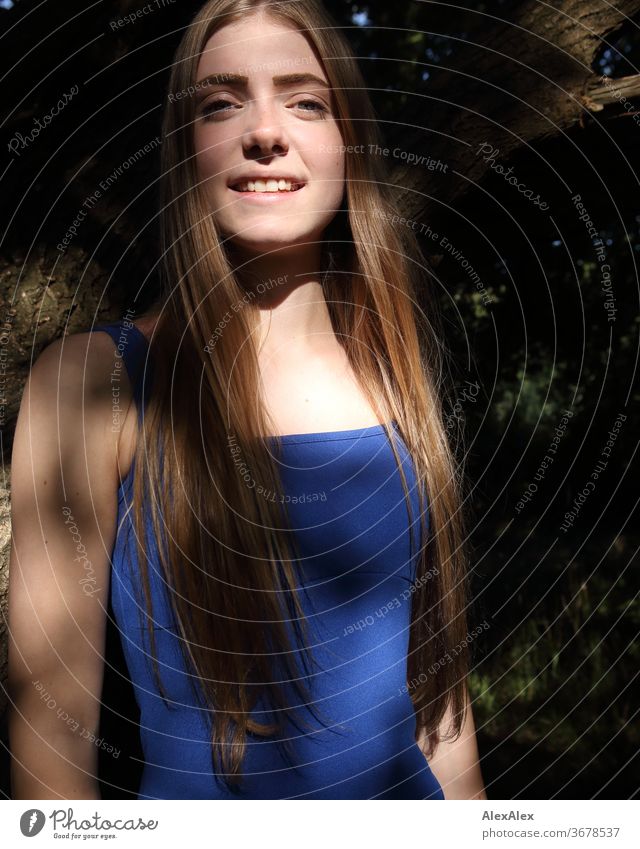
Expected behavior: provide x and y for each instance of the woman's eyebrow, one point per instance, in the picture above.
(280, 81)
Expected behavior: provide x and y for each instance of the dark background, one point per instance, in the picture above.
(553, 686)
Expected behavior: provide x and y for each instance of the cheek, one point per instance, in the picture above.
(330, 159)
(337, 165)
(211, 170)
(333, 176)
(204, 164)
(210, 155)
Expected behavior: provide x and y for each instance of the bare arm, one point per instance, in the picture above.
(63, 517)
(456, 764)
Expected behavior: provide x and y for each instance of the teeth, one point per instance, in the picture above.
(267, 186)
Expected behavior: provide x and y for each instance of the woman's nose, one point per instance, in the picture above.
(265, 133)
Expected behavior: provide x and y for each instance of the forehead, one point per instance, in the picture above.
(258, 46)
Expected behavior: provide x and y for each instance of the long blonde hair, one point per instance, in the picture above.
(226, 555)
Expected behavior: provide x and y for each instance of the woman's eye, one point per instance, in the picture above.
(319, 107)
(210, 108)
(218, 106)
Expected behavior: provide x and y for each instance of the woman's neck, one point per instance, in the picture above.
(294, 315)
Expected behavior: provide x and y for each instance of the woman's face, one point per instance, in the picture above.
(277, 124)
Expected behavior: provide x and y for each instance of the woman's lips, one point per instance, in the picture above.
(267, 197)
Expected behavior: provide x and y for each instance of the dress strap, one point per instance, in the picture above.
(132, 348)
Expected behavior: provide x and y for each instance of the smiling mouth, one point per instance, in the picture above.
(267, 186)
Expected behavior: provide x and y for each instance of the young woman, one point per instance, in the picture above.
(277, 515)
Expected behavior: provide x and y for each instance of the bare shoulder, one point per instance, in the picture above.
(76, 372)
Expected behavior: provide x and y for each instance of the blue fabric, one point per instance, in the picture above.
(350, 518)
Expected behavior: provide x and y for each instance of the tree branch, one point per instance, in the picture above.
(511, 83)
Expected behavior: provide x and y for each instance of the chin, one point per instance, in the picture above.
(275, 236)
(267, 245)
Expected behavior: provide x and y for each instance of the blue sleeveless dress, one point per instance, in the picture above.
(346, 503)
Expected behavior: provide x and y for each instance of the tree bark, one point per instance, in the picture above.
(513, 83)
